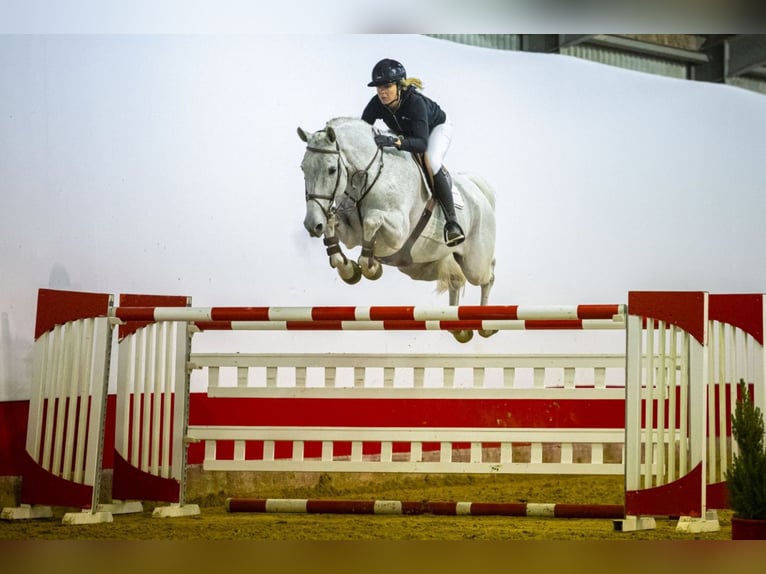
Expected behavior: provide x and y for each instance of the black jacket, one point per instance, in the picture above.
(416, 116)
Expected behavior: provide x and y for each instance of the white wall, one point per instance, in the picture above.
(169, 164)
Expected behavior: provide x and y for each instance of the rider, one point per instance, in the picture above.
(421, 127)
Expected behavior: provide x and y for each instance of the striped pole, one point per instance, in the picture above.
(342, 315)
(309, 506)
(408, 325)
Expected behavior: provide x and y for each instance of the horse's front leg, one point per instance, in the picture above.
(371, 267)
(348, 270)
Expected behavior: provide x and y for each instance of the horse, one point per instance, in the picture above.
(359, 194)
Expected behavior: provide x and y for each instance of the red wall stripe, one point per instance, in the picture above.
(416, 413)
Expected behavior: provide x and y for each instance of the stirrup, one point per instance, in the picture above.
(453, 234)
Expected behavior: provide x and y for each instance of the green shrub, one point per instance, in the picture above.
(746, 480)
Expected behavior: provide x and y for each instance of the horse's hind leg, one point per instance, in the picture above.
(462, 335)
(485, 289)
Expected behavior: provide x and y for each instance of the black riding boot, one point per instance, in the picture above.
(453, 234)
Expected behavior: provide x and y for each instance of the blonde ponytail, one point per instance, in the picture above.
(407, 82)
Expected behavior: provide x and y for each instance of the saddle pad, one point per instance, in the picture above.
(457, 198)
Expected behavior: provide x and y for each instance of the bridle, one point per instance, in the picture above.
(353, 178)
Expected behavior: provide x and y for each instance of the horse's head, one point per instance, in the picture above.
(327, 164)
(322, 176)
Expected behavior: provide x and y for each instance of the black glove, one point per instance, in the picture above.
(384, 140)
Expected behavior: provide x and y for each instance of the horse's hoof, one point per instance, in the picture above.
(373, 275)
(487, 333)
(356, 274)
(462, 336)
(378, 273)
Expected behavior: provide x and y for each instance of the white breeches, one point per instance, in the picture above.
(438, 144)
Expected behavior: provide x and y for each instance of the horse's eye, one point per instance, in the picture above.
(332, 170)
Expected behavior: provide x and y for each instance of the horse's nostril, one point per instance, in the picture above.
(319, 229)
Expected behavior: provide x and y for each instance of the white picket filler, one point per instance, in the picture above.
(263, 372)
(737, 323)
(416, 459)
(64, 445)
(665, 420)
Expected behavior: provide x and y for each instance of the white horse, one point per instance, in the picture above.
(359, 194)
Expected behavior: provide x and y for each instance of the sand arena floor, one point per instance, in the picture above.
(210, 491)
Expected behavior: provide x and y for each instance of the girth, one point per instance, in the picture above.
(403, 257)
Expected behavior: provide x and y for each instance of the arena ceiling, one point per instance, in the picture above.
(708, 57)
(711, 57)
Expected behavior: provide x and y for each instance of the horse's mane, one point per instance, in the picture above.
(354, 132)
(343, 120)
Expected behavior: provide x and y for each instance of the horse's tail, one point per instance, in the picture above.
(484, 186)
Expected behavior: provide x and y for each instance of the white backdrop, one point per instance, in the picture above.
(170, 165)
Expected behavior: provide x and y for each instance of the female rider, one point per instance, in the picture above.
(421, 127)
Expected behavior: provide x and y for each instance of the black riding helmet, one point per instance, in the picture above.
(387, 71)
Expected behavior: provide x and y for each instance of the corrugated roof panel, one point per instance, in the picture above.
(497, 41)
(629, 61)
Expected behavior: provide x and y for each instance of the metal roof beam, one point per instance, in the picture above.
(648, 49)
(759, 72)
(567, 40)
(551, 43)
(714, 70)
(711, 40)
(746, 52)
(540, 42)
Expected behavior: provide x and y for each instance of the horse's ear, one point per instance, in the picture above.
(303, 135)
(330, 134)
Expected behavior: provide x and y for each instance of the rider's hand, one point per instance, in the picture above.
(385, 141)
